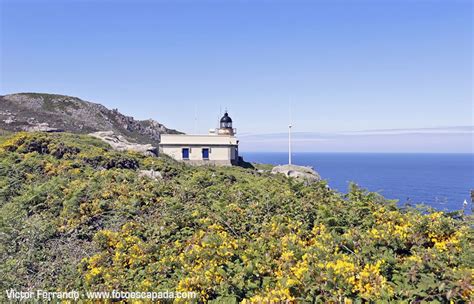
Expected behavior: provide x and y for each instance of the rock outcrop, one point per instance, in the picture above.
(54, 113)
(156, 175)
(307, 174)
(118, 142)
(41, 127)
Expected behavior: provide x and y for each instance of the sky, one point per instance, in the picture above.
(342, 67)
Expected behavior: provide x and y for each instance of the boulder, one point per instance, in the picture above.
(118, 142)
(306, 174)
(41, 127)
(150, 174)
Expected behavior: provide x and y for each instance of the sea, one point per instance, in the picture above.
(442, 181)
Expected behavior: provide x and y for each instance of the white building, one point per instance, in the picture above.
(219, 147)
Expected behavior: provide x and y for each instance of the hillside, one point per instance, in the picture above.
(76, 215)
(50, 112)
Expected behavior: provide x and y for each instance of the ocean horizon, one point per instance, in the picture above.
(440, 180)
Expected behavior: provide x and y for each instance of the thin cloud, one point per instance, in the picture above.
(459, 139)
(306, 135)
(439, 130)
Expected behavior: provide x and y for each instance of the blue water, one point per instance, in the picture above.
(442, 181)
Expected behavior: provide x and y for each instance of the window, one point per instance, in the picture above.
(226, 125)
(185, 153)
(205, 153)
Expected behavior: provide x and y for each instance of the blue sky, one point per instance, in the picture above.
(346, 66)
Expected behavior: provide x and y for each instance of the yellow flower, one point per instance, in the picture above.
(287, 255)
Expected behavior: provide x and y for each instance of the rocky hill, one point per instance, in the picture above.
(51, 112)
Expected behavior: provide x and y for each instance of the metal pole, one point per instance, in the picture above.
(289, 144)
(289, 132)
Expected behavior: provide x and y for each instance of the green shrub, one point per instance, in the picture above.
(76, 215)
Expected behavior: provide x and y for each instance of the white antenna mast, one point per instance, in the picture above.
(219, 118)
(289, 132)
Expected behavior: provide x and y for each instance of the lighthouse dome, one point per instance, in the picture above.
(226, 118)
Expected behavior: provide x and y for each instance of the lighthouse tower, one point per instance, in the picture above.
(225, 127)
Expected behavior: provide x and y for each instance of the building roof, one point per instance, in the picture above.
(203, 140)
(226, 118)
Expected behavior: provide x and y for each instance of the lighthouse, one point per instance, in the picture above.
(219, 147)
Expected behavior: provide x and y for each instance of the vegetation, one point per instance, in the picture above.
(76, 215)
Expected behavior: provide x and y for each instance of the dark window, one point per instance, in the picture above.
(226, 125)
(185, 153)
(205, 153)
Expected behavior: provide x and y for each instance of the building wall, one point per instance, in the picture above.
(184, 139)
(218, 155)
(234, 153)
(223, 149)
